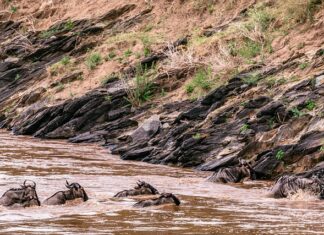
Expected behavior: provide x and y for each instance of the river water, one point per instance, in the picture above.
(206, 208)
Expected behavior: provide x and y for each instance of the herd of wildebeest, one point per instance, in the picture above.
(26, 195)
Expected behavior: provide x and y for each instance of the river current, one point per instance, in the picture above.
(206, 208)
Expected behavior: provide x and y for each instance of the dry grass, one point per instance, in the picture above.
(181, 59)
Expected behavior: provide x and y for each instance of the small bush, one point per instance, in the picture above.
(310, 105)
(69, 25)
(60, 87)
(13, 9)
(111, 55)
(60, 66)
(93, 60)
(244, 128)
(17, 77)
(65, 60)
(200, 80)
(322, 148)
(280, 155)
(252, 79)
(249, 49)
(262, 18)
(189, 88)
(142, 88)
(303, 65)
(128, 53)
(196, 136)
(296, 112)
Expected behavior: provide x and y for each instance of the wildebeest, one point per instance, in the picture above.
(165, 198)
(290, 184)
(74, 191)
(142, 188)
(234, 174)
(25, 196)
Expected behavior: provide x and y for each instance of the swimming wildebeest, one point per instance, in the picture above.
(25, 196)
(165, 198)
(74, 191)
(290, 184)
(142, 188)
(234, 174)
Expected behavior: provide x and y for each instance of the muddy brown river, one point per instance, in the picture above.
(206, 208)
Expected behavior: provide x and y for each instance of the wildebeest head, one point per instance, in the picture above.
(30, 197)
(171, 196)
(317, 186)
(77, 190)
(142, 184)
(24, 196)
(247, 168)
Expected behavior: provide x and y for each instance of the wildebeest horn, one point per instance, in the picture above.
(67, 184)
(33, 186)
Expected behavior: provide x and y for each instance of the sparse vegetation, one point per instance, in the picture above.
(93, 60)
(244, 128)
(303, 65)
(196, 136)
(17, 77)
(60, 67)
(252, 79)
(13, 9)
(128, 53)
(201, 81)
(280, 155)
(60, 87)
(111, 55)
(141, 88)
(310, 105)
(67, 26)
(296, 112)
(273, 81)
(322, 148)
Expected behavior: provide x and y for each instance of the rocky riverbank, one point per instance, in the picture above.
(278, 127)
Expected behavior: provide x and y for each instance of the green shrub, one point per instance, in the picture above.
(303, 65)
(142, 89)
(244, 128)
(111, 55)
(280, 155)
(93, 60)
(296, 112)
(60, 66)
(200, 80)
(17, 77)
(262, 18)
(65, 60)
(252, 79)
(69, 25)
(189, 88)
(128, 53)
(310, 105)
(196, 136)
(13, 9)
(249, 49)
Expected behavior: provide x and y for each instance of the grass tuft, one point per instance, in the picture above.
(93, 60)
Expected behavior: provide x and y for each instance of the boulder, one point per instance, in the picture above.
(147, 130)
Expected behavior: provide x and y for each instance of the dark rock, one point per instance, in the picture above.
(216, 164)
(148, 129)
(137, 154)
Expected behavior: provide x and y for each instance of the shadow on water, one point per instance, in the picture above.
(206, 208)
